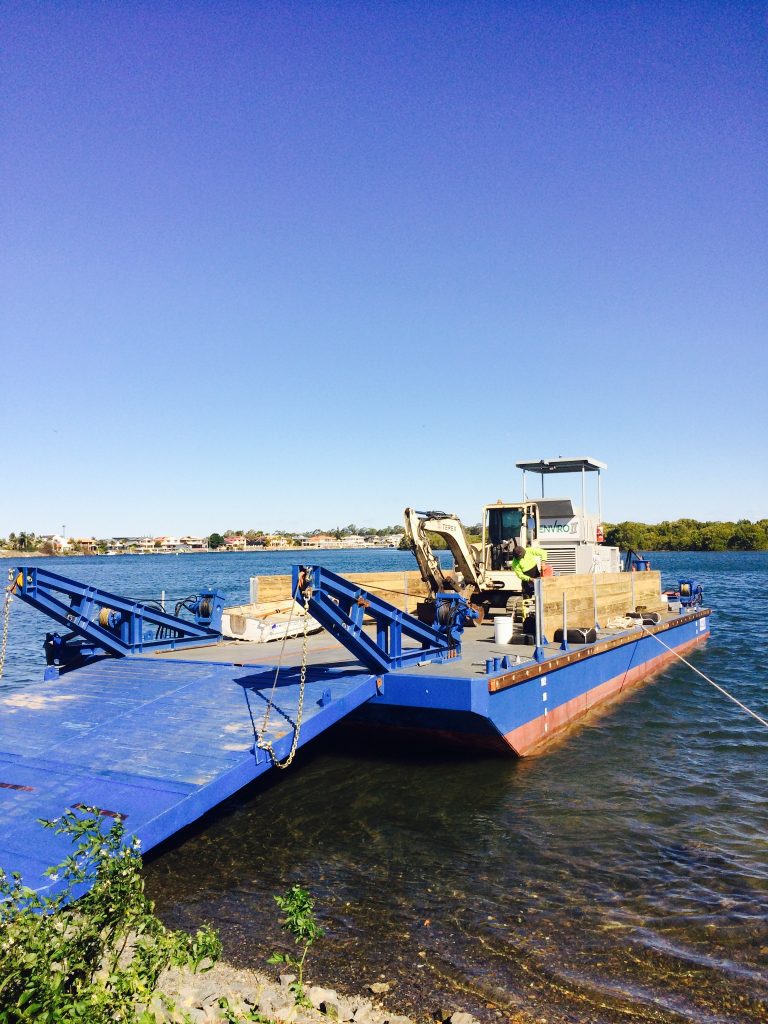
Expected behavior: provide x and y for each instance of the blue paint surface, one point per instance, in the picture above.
(162, 741)
(462, 704)
(159, 742)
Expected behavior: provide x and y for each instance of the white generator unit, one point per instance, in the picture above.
(571, 536)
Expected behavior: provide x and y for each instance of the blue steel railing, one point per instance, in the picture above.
(341, 606)
(103, 623)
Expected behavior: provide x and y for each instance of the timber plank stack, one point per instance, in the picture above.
(402, 589)
(616, 594)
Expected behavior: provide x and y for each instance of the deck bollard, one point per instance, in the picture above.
(489, 665)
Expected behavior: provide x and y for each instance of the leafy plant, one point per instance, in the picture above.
(96, 960)
(298, 907)
(251, 1017)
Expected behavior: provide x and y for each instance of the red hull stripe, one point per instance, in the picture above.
(536, 732)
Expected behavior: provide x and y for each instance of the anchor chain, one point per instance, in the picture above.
(6, 623)
(261, 742)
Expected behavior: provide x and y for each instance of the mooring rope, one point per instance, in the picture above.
(711, 682)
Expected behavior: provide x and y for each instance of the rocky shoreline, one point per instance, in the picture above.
(226, 993)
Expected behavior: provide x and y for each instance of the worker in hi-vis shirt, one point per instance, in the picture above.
(526, 565)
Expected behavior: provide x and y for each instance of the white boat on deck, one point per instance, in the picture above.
(260, 623)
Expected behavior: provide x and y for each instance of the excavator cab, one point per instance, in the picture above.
(503, 527)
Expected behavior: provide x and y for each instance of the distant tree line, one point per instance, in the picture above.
(689, 535)
(24, 541)
(670, 535)
(437, 543)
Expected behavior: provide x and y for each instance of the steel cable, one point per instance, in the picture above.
(711, 682)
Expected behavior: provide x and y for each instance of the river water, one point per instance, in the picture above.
(621, 876)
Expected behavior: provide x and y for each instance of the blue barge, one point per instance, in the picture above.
(156, 719)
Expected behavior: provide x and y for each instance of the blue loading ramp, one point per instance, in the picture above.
(159, 742)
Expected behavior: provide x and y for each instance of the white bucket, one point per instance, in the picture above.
(502, 626)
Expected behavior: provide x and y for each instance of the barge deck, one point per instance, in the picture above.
(158, 742)
(159, 739)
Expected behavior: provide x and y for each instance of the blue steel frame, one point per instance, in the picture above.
(340, 606)
(108, 623)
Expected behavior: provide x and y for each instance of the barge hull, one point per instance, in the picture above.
(521, 711)
(535, 734)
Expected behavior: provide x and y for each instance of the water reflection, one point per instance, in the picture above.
(531, 885)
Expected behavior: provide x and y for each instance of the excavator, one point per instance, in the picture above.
(571, 535)
(480, 571)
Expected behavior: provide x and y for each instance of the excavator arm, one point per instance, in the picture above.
(417, 525)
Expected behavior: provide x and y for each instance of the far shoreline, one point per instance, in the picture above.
(11, 553)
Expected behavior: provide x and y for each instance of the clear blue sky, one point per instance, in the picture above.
(296, 265)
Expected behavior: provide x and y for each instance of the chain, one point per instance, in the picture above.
(261, 742)
(6, 622)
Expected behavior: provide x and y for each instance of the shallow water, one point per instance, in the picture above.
(622, 875)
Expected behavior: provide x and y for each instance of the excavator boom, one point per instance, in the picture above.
(417, 525)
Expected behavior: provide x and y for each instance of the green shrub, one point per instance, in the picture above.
(98, 959)
(298, 907)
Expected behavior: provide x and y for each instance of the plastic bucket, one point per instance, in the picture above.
(503, 627)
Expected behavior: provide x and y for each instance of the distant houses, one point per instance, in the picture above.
(194, 543)
(321, 540)
(56, 544)
(235, 542)
(157, 545)
(85, 545)
(329, 540)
